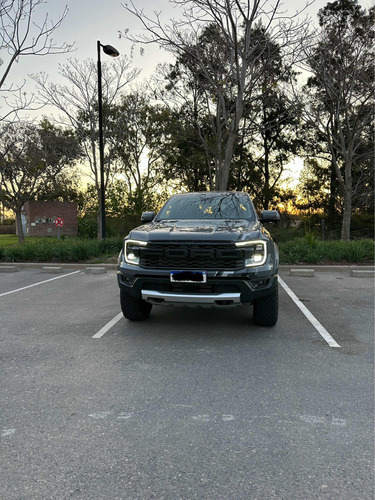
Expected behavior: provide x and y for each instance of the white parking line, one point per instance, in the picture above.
(108, 326)
(39, 283)
(318, 326)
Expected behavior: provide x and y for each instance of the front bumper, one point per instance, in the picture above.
(218, 291)
(169, 298)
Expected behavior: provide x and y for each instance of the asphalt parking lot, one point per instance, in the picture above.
(191, 404)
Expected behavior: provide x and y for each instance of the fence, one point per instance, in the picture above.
(7, 229)
(335, 234)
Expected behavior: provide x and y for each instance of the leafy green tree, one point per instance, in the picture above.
(270, 129)
(314, 186)
(64, 186)
(339, 97)
(189, 158)
(119, 202)
(267, 138)
(186, 163)
(139, 136)
(215, 39)
(31, 157)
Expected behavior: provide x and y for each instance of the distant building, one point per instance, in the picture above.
(39, 217)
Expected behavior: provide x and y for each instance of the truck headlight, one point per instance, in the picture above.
(132, 250)
(255, 252)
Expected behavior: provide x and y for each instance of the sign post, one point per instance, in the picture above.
(59, 222)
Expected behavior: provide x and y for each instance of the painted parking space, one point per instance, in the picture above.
(48, 303)
(191, 403)
(297, 289)
(330, 302)
(286, 290)
(316, 324)
(25, 277)
(342, 303)
(38, 283)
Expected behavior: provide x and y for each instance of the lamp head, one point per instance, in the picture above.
(110, 51)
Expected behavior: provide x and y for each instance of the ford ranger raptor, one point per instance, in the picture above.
(201, 249)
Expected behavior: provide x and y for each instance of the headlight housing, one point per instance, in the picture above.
(255, 252)
(132, 250)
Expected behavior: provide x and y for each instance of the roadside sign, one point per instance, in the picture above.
(59, 222)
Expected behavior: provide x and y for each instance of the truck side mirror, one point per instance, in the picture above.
(147, 217)
(269, 216)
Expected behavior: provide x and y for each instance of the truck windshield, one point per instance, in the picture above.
(208, 206)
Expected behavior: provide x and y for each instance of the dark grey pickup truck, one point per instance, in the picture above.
(202, 249)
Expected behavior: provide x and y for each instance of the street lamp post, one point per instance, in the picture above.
(110, 51)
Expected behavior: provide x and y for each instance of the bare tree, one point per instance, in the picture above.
(21, 34)
(78, 103)
(232, 79)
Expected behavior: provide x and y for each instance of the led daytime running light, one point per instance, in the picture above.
(129, 256)
(259, 256)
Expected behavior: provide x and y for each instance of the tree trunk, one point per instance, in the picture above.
(266, 188)
(222, 184)
(99, 219)
(332, 199)
(99, 225)
(346, 219)
(21, 236)
(348, 193)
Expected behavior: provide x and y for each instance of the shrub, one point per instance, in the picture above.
(319, 252)
(87, 227)
(298, 250)
(54, 250)
(115, 226)
(280, 234)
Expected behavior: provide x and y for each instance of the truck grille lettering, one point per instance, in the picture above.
(160, 255)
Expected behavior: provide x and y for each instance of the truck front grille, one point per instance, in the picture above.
(191, 255)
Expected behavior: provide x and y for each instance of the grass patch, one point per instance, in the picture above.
(312, 251)
(7, 240)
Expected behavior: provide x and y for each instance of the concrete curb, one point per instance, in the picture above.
(41, 265)
(362, 273)
(52, 269)
(305, 273)
(347, 269)
(8, 269)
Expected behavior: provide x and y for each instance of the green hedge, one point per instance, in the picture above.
(115, 226)
(63, 250)
(312, 251)
(299, 250)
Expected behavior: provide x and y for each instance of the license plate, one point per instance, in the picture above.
(188, 276)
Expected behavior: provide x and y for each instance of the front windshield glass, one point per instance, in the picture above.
(208, 206)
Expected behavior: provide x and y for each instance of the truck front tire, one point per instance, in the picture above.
(266, 309)
(134, 309)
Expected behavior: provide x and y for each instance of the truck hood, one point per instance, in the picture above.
(232, 230)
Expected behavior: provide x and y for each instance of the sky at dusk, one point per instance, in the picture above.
(88, 21)
(92, 20)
